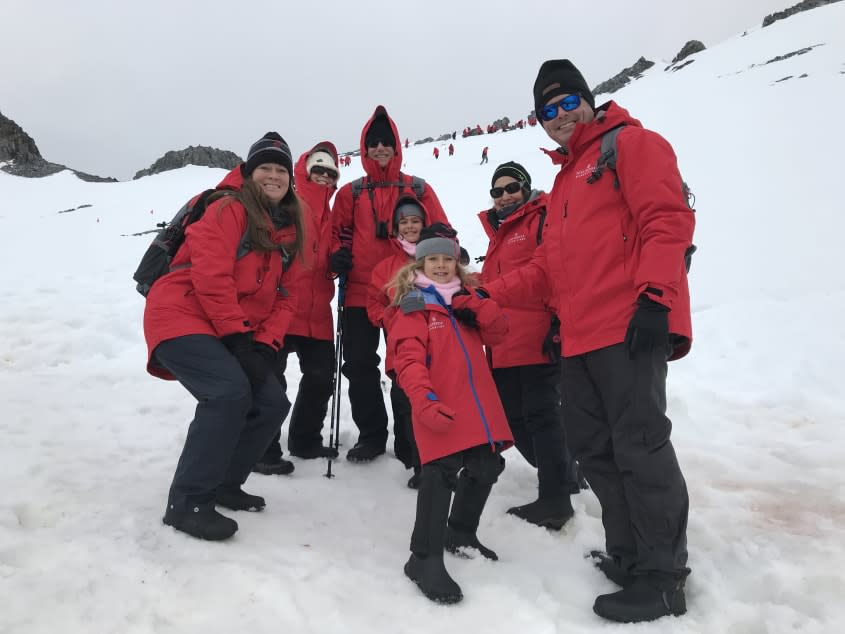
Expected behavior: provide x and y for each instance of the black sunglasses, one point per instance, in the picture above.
(510, 188)
(374, 143)
(567, 104)
(319, 170)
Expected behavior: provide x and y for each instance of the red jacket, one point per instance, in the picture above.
(604, 245)
(367, 249)
(436, 355)
(510, 248)
(315, 288)
(213, 293)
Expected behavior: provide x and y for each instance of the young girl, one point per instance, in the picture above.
(437, 332)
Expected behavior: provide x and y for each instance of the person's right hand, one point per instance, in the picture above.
(340, 261)
(252, 362)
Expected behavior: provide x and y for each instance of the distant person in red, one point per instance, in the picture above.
(451, 149)
(532, 121)
(478, 128)
(436, 153)
(484, 155)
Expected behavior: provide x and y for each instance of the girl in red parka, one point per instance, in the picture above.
(311, 331)
(409, 218)
(526, 366)
(437, 334)
(215, 323)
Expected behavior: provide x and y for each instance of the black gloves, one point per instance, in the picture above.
(551, 344)
(649, 327)
(341, 261)
(251, 357)
(463, 314)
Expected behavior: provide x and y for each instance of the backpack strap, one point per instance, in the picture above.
(607, 156)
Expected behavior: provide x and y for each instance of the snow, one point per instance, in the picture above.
(91, 440)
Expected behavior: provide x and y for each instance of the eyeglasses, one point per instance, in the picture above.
(567, 104)
(319, 170)
(374, 143)
(510, 188)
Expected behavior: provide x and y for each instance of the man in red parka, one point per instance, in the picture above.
(361, 232)
(612, 262)
(311, 331)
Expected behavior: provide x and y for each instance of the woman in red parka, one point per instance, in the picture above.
(437, 334)
(311, 332)
(526, 365)
(215, 323)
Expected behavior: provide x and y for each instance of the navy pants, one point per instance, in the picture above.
(232, 425)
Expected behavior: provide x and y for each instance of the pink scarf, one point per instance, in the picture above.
(446, 290)
(409, 247)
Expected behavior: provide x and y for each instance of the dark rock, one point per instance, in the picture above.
(691, 47)
(805, 5)
(428, 139)
(800, 51)
(19, 156)
(199, 155)
(623, 78)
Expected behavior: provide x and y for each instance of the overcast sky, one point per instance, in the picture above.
(107, 87)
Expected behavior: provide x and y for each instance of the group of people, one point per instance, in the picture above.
(559, 346)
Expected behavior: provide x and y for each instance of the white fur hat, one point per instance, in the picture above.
(322, 158)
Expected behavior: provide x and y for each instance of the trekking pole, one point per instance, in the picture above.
(334, 429)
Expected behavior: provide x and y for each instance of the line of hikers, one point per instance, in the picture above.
(559, 346)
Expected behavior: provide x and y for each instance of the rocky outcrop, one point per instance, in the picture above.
(623, 78)
(200, 155)
(19, 156)
(806, 5)
(691, 47)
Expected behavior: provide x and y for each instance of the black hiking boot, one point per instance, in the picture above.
(432, 579)
(470, 498)
(317, 451)
(425, 566)
(273, 466)
(642, 600)
(201, 521)
(363, 452)
(236, 499)
(611, 568)
(551, 513)
(414, 480)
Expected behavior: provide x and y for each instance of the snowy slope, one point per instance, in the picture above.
(91, 441)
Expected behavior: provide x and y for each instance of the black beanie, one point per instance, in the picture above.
(514, 170)
(559, 77)
(380, 130)
(271, 148)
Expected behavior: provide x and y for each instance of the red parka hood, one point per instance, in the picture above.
(371, 167)
(234, 180)
(301, 176)
(609, 115)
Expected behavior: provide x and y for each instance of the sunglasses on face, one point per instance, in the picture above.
(567, 104)
(374, 143)
(511, 188)
(319, 170)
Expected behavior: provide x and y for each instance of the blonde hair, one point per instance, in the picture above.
(403, 281)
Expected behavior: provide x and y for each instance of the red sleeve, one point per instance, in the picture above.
(377, 299)
(272, 330)
(653, 190)
(524, 285)
(341, 215)
(408, 338)
(213, 241)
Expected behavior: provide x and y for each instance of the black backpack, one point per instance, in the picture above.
(607, 159)
(417, 185)
(158, 256)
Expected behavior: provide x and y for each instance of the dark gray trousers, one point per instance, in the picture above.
(615, 415)
(232, 426)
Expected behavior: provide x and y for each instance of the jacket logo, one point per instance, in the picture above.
(435, 323)
(586, 171)
(517, 238)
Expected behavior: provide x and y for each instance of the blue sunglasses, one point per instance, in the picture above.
(567, 104)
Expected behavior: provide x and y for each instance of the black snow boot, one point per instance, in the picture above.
(236, 499)
(317, 451)
(646, 599)
(364, 452)
(551, 513)
(425, 566)
(414, 480)
(470, 498)
(273, 466)
(612, 568)
(200, 520)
